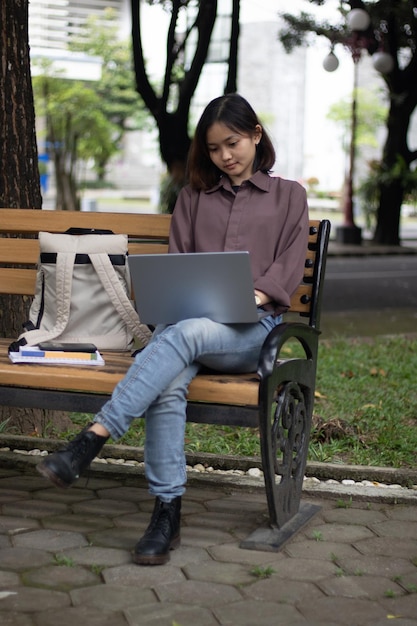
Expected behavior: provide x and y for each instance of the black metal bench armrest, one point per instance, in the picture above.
(270, 359)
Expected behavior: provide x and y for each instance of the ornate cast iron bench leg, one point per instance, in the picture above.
(286, 406)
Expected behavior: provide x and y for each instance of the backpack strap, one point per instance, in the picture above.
(118, 297)
(64, 271)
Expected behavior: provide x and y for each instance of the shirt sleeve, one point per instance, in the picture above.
(283, 276)
(181, 237)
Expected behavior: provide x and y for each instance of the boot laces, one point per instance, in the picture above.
(80, 446)
(161, 522)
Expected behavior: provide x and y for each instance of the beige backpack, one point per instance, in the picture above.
(81, 294)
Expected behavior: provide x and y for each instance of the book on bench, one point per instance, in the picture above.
(34, 354)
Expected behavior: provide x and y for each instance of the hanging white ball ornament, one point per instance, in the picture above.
(358, 19)
(331, 62)
(383, 62)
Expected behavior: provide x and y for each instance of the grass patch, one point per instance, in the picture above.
(366, 389)
(61, 559)
(262, 572)
(365, 409)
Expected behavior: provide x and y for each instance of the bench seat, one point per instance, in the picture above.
(237, 389)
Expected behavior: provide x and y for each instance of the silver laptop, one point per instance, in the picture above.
(172, 287)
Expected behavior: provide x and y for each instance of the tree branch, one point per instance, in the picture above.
(204, 23)
(143, 84)
(231, 82)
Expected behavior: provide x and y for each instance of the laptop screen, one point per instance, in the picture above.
(172, 287)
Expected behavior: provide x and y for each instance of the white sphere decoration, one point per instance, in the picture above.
(331, 62)
(358, 19)
(383, 62)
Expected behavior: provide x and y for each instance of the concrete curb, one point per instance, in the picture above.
(405, 477)
(230, 483)
(368, 249)
(391, 485)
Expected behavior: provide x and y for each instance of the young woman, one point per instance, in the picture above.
(230, 203)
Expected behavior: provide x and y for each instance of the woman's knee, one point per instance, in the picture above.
(194, 332)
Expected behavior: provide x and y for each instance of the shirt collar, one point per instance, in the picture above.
(259, 179)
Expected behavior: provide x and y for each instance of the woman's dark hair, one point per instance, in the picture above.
(236, 113)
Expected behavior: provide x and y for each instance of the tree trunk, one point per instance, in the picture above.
(66, 189)
(174, 144)
(389, 211)
(19, 173)
(396, 159)
(64, 158)
(391, 192)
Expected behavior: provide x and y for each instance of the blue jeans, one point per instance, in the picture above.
(156, 386)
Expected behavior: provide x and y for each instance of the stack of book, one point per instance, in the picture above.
(35, 354)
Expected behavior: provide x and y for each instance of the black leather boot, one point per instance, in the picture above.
(162, 534)
(64, 466)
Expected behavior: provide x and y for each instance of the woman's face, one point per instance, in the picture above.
(232, 152)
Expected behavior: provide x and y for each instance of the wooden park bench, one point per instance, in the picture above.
(278, 398)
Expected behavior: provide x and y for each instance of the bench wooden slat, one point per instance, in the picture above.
(31, 221)
(236, 389)
(17, 281)
(26, 251)
(241, 389)
(300, 300)
(310, 257)
(148, 248)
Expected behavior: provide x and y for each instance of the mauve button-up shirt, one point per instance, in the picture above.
(267, 216)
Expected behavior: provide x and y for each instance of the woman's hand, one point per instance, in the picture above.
(261, 298)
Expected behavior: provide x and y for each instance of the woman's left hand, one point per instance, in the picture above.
(261, 298)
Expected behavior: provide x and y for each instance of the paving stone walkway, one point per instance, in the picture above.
(65, 559)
